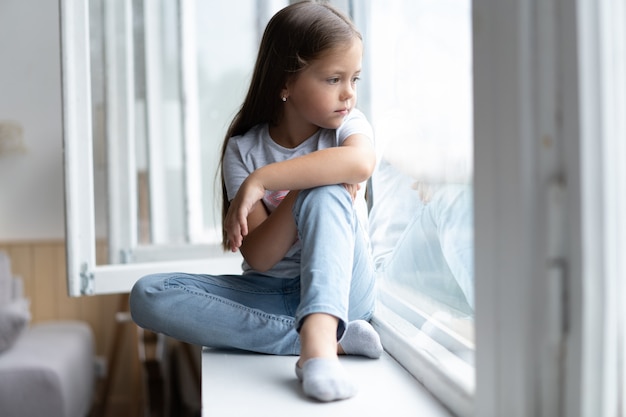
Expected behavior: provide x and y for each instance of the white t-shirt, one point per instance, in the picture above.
(255, 148)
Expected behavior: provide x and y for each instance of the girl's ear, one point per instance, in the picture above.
(284, 93)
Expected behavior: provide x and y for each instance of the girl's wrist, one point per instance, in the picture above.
(253, 184)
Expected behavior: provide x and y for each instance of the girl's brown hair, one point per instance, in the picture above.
(296, 35)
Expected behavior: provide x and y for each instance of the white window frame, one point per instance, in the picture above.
(596, 368)
(120, 120)
(519, 203)
(84, 275)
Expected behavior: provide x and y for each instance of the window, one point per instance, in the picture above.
(419, 69)
(144, 187)
(520, 102)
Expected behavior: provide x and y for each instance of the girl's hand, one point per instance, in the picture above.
(236, 221)
(352, 189)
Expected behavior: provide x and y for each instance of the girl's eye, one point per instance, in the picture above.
(356, 80)
(334, 80)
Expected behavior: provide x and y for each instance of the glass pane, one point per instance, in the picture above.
(96, 28)
(419, 55)
(224, 70)
(159, 116)
(149, 50)
(160, 197)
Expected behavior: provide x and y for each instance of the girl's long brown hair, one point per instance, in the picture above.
(296, 35)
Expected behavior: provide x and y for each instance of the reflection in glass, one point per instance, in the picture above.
(422, 216)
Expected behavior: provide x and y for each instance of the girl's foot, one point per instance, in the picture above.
(325, 380)
(361, 339)
(318, 367)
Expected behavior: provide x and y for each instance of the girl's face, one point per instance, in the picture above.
(324, 92)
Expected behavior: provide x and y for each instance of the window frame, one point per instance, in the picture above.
(85, 276)
(596, 368)
(521, 203)
(547, 131)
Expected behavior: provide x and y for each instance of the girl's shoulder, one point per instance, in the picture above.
(354, 123)
(253, 133)
(249, 139)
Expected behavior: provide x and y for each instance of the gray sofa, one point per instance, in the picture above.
(46, 369)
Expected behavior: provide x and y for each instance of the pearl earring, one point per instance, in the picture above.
(284, 99)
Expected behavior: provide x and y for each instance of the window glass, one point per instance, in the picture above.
(148, 48)
(182, 84)
(96, 27)
(419, 57)
(224, 71)
(159, 142)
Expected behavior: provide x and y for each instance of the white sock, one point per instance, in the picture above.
(325, 379)
(360, 338)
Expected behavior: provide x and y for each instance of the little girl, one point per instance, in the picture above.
(292, 162)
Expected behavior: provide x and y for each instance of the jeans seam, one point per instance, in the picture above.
(284, 290)
(286, 304)
(225, 301)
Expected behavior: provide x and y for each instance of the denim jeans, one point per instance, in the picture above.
(260, 313)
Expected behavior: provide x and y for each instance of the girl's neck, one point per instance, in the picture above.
(291, 137)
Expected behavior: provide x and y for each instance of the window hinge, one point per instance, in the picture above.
(86, 280)
(555, 315)
(556, 260)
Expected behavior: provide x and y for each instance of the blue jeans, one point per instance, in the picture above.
(263, 314)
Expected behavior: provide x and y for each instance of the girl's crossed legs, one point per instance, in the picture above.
(264, 314)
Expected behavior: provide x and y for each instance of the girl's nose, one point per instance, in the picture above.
(348, 92)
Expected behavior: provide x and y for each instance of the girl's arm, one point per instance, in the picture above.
(270, 236)
(350, 163)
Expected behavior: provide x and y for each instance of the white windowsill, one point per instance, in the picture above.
(246, 384)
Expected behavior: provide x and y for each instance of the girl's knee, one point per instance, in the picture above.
(139, 299)
(142, 286)
(336, 190)
(324, 196)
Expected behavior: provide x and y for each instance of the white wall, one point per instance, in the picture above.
(31, 180)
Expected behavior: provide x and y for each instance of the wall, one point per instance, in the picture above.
(31, 175)
(31, 186)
